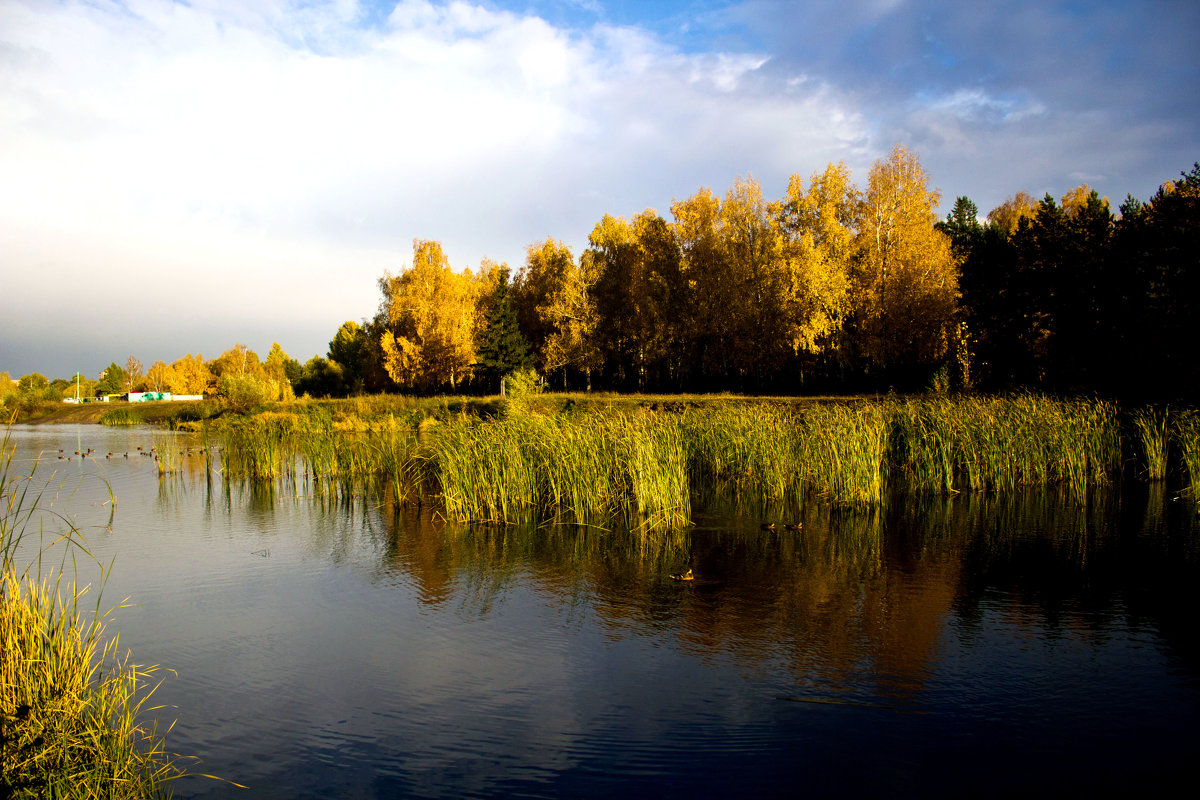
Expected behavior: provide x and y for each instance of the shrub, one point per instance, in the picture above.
(240, 393)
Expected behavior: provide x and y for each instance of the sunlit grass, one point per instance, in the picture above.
(1153, 430)
(73, 716)
(643, 462)
(1187, 435)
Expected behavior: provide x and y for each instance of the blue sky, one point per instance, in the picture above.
(179, 177)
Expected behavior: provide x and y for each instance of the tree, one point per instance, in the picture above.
(547, 269)
(190, 375)
(79, 385)
(133, 373)
(33, 383)
(907, 277)
(1008, 215)
(238, 360)
(321, 378)
(275, 370)
(350, 347)
(159, 376)
(751, 245)
(962, 226)
(716, 295)
(430, 313)
(1157, 267)
(111, 380)
(817, 227)
(500, 346)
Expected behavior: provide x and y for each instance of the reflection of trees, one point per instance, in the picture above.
(824, 601)
(850, 595)
(1126, 559)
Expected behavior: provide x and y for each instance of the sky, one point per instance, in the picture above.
(178, 177)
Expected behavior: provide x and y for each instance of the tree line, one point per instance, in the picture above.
(238, 375)
(832, 287)
(829, 286)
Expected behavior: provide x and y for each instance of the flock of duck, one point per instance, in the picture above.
(766, 526)
(152, 452)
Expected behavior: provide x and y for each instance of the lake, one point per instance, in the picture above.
(325, 647)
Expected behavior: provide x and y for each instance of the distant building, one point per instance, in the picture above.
(150, 397)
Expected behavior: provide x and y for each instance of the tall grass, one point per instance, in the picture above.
(1153, 429)
(121, 416)
(1187, 435)
(641, 464)
(72, 711)
(587, 468)
(1002, 443)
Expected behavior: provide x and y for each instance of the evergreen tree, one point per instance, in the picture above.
(502, 347)
(962, 226)
(112, 382)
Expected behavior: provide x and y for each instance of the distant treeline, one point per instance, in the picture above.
(831, 288)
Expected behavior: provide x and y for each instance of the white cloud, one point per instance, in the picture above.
(270, 160)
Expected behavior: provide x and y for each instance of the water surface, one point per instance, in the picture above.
(331, 648)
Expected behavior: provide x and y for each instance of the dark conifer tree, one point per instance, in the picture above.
(501, 347)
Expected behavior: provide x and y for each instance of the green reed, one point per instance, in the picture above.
(591, 465)
(1187, 436)
(588, 467)
(753, 452)
(1001, 444)
(1153, 429)
(121, 416)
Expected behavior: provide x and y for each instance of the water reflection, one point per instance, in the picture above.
(354, 644)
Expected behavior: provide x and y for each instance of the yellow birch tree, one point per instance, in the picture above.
(189, 375)
(906, 286)
(430, 320)
(818, 228)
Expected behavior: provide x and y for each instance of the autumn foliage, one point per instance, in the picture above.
(733, 292)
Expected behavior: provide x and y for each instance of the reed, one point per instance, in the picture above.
(72, 711)
(587, 468)
(590, 465)
(121, 416)
(752, 452)
(167, 458)
(846, 447)
(1153, 429)
(1001, 444)
(1187, 436)
(71, 706)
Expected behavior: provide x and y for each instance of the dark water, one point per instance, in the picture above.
(979, 646)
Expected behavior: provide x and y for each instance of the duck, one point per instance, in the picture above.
(794, 526)
(684, 576)
(768, 526)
